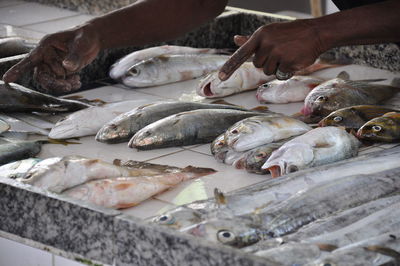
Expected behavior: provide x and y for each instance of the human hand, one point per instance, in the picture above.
(57, 59)
(287, 47)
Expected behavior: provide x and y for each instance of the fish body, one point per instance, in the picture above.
(124, 126)
(385, 128)
(294, 89)
(300, 209)
(246, 77)
(121, 67)
(125, 192)
(17, 125)
(258, 130)
(340, 93)
(166, 69)
(17, 169)
(89, 121)
(4, 126)
(16, 98)
(354, 117)
(316, 147)
(13, 150)
(14, 46)
(187, 128)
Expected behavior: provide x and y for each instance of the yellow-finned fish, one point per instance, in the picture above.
(385, 128)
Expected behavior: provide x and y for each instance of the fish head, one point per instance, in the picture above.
(142, 74)
(236, 232)
(382, 128)
(231, 156)
(112, 132)
(211, 86)
(267, 90)
(347, 117)
(178, 218)
(255, 159)
(46, 173)
(218, 145)
(290, 158)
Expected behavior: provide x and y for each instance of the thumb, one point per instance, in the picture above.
(74, 60)
(240, 39)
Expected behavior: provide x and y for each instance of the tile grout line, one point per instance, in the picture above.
(165, 155)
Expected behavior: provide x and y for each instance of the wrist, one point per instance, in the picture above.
(321, 33)
(92, 29)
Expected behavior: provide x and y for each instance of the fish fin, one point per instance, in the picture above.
(362, 84)
(393, 115)
(369, 112)
(343, 75)
(384, 251)
(219, 197)
(198, 170)
(58, 141)
(117, 162)
(281, 196)
(260, 109)
(322, 145)
(73, 97)
(326, 247)
(313, 85)
(221, 101)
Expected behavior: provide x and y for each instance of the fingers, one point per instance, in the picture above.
(51, 84)
(25, 65)
(238, 58)
(75, 59)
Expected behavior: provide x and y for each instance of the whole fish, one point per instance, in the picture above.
(339, 93)
(17, 169)
(125, 192)
(14, 46)
(121, 67)
(317, 147)
(17, 125)
(13, 150)
(354, 117)
(246, 77)
(16, 98)
(89, 121)
(379, 250)
(258, 130)
(294, 89)
(4, 126)
(124, 126)
(166, 69)
(302, 208)
(254, 159)
(273, 191)
(187, 128)
(385, 128)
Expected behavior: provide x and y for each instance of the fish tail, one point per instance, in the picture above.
(198, 170)
(385, 251)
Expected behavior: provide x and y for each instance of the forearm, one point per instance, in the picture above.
(149, 21)
(370, 24)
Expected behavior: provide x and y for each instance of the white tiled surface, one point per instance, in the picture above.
(59, 24)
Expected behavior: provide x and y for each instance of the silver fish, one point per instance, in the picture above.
(4, 126)
(256, 131)
(13, 150)
(166, 69)
(124, 126)
(11, 46)
(316, 147)
(187, 128)
(17, 169)
(121, 67)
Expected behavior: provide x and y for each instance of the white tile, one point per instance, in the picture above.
(16, 254)
(388, 145)
(89, 147)
(59, 24)
(30, 13)
(60, 261)
(7, 3)
(369, 150)
(115, 94)
(13, 31)
(205, 148)
(148, 208)
(227, 178)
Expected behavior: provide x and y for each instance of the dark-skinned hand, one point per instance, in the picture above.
(288, 46)
(57, 59)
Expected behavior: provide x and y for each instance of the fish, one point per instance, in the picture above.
(339, 93)
(259, 130)
(16, 98)
(4, 126)
(294, 89)
(35, 120)
(17, 169)
(125, 192)
(354, 117)
(369, 251)
(222, 153)
(246, 77)
(13, 150)
(273, 191)
(164, 69)
(123, 127)
(187, 128)
(121, 67)
(11, 46)
(89, 121)
(316, 147)
(304, 207)
(20, 126)
(385, 128)
(254, 159)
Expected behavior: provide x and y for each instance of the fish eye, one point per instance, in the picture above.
(337, 118)
(266, 85)
(292, 168)
(225, 236)
(261, 155)
(376, 128)
(235, 131)
(321, 98)
(134, 71)
(220, 143)
(164, 219)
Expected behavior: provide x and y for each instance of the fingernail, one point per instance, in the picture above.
(222, 75)
(69, 65)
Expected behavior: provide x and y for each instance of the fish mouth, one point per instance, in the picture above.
(275, 171)
(207, 90)
(198, 230)
(259, 97)
(306, 110)
(322, 123)
(240, 164)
